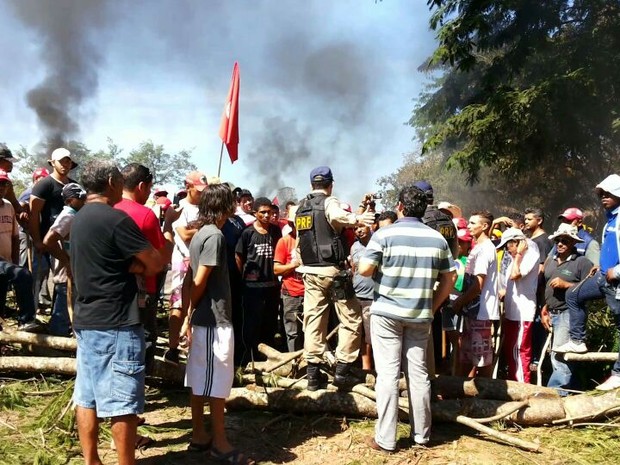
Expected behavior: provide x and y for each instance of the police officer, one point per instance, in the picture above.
(319, 222)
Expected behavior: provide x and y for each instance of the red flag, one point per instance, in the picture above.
(229, 128)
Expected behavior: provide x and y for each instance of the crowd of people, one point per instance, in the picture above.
(418, 290)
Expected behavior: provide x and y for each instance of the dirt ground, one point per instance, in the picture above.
(276, 438)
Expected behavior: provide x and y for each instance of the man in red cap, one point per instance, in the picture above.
(589, 248)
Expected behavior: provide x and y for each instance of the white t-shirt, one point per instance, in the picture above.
(8, 229)
(62, 225)
(520, 299)
(482, 260)
(188, 214)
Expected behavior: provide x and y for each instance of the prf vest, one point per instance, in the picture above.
(319, 243)
(442, 223)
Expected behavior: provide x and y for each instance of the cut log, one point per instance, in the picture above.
(58, 365)
(294, 401)
(453, 387)
(40, 340)
(67, 366)
(592, 357)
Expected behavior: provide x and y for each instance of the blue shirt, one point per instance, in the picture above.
(609, 247)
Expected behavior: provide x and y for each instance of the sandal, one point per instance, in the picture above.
(198, 447)
(234, 457)
(143, 442)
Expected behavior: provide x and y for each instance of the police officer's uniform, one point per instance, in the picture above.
(319, 222)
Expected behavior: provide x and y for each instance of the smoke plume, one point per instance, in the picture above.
(70, 52)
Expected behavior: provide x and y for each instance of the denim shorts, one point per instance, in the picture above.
(110, 371)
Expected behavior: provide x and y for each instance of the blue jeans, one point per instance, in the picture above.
(562, 376)
(60, 324)
(21, 279)
(110, 371)
(593, 288)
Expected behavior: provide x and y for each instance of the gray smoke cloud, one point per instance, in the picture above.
(282, 148)
(71, 55)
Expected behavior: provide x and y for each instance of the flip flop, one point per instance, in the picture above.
(234, 457)
(198, 447)
(144, 442)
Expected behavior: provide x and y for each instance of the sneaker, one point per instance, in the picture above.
(172, 356)
(32, 326)
(612, 382)
(572, 347)
(420, 441)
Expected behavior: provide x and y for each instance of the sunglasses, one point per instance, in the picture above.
(564, 240)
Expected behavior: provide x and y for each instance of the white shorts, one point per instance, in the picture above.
(210, 367)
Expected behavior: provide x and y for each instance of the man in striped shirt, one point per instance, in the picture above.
(406, 259)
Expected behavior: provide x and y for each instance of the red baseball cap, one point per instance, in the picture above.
(572, 214)
(197, 179)
(4, 176)
(40, 173)
(460, 223)
(464, 235)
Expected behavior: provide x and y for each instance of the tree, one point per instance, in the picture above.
(525, 87)
(168, 168)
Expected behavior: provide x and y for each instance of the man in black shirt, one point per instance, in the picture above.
(261, 292)
(563, 271)
(107, 250)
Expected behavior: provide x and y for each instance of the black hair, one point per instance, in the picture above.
(261, 202)
(487, 217)
(517, 217)
(216, 202)
(387, 215)
(96, 176)
(414, 201)
(134, 174)
(324, 184)
(537, 212)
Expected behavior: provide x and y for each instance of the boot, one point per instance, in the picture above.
(316, 379)
(342, 376)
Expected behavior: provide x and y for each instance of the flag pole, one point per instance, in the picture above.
(219, 167)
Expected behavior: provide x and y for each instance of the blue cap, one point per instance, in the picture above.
(424, 186)
(321, 173)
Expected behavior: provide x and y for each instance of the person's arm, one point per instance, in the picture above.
(34, 223)
(52, 242)
(171, 216)
(545, 318)
(442, 292)
(151, 261)
(366, 268)
(185, 233)
(337, 216)
(10, 196)
(470, 294)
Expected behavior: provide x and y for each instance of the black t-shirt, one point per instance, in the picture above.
(103, 242)
(256, 249)
(544, 246)
(49, 190)
(572, 270)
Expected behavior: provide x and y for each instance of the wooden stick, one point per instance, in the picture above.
(499, 416)
(613, 408)
(543, 353)
(526, 445)
(592, 357)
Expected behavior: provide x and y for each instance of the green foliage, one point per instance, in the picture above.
(525, 86)
(168, 168)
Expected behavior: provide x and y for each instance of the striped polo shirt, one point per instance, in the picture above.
(409, 256)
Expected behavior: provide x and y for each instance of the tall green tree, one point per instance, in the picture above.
(168, 168)
(525, 88)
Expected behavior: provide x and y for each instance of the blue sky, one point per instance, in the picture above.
(322, 82)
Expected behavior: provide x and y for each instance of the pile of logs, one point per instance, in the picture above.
(278, 384)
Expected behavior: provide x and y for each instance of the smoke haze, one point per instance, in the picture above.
(316, 79)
